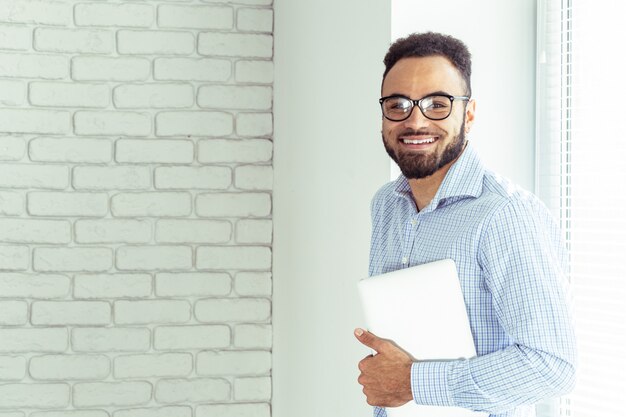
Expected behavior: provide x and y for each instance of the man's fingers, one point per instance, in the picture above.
(369, 339)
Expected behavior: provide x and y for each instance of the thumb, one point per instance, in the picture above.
(369, 339)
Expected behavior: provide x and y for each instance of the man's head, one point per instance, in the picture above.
(427, 110)
(420, 45)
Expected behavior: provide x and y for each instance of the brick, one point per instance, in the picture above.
(203, 178)
(233, 205)
(232, 310)
(17, 38)
(69, 367)
(45, 203)
(233, 410)
(35, 231)
(16, 285)
(152, 42)
(254, 231)
(173, 411)
(34, 395)
(40, 12)
(252, 71)
(234, 151)
(195, 17)
(12, 313)
(132, 96)
(191, 337)
(112, 286)
(154, 151)
(111, 178)
(253, 389)
(70, 150)
(112, 123)
(153, 365)
(33, 340)
(235, 44)
(11, 148)
(152, 311)
(12, 368)
(233, 257)
(11, 204)
(113, 231)
(191, 390)
(193, 231)
(193, 123)
(255, 20)
(113, 339)
(212, 363)
(73, 40)
(33, 176)
(187, 69)
(91, 68)
(34, 121)
(253, 336)
(70, 413)
(67, 313)
(254, 124)
(116, 15)
(12, 93)
(253, 283)
(151, 204)
(235, 97)
(16, 414)
(55, 94)
(248, 2)
(149, 258)
(72, 259)
(254, 177)
(192, 284)
(14, 258)
(49, 67)
(91, 394)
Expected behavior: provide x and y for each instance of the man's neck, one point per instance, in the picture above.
(424, 189)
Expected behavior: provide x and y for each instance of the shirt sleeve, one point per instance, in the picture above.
(524, 264)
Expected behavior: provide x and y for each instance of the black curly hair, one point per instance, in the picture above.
(431, 44)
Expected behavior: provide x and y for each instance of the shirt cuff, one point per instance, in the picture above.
(429, 383)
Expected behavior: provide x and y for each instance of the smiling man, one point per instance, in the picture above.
(510, 257)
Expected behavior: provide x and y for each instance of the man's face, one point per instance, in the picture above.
(439, 142)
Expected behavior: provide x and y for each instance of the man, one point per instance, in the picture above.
(508, 251)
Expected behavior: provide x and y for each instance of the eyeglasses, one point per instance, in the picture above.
(434, 107)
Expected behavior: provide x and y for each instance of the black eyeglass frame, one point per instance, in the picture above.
(418, 102)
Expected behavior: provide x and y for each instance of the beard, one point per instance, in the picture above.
(416, 165)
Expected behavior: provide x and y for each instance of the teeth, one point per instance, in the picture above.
(418, 141)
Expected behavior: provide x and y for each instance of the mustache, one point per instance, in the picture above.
(421, 132)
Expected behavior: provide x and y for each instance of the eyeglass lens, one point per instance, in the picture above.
(433, 107)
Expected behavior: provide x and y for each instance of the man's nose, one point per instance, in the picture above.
(416, 119)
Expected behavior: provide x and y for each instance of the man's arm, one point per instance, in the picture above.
(524, 263)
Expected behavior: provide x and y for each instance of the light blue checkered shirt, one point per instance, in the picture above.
(512, 266)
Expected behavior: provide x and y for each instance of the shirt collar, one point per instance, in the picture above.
(463, 179)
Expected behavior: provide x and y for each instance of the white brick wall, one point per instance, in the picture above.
(136, 208)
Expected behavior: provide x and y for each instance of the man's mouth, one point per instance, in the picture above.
(422, 141)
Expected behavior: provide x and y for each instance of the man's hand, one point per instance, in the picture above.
(386, 377)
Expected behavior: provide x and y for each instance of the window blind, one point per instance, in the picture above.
(581, 175)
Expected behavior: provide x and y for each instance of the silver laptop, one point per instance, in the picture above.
(422, 310)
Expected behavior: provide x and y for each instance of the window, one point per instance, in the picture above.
(581, 175)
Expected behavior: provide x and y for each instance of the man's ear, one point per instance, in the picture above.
(470, 111)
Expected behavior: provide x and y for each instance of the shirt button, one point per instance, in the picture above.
(405, 260)
(413, 222)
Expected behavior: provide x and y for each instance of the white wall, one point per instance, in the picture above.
(328, 163)
(501, 37)
(135, 216)
(327, 167)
